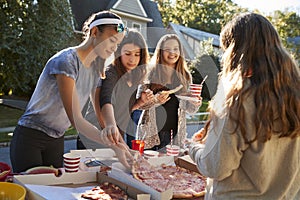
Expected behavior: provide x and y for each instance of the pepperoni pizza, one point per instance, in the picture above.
(183, 182)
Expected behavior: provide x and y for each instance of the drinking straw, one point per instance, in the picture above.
(171, 138)
(204, 80)
(144, 135)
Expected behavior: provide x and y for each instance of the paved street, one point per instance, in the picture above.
(71, 144)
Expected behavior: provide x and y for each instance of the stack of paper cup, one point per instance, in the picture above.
(196, 90)
(71, 162)
(151, 154)
(172, 150)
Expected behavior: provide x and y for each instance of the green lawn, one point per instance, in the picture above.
(9, 116)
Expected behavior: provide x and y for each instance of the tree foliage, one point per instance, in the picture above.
(207, 58)
(212, 15)
(287, 25)
(31, 31)
(205, 15)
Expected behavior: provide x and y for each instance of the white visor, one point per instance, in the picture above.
(105, 21)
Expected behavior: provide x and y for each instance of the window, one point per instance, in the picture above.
(124, 22)
(136, 26)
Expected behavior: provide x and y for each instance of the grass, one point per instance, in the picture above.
(197, 118)
(9, 118)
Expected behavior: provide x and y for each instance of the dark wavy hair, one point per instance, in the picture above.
(253, 52)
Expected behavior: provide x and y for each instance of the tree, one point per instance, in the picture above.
(287, 25)
(212, 15)
(31, 31)
(205, 15)
(208, 61)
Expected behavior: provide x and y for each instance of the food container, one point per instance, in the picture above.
(12, 191)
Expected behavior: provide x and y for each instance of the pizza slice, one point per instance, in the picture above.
(105, 191)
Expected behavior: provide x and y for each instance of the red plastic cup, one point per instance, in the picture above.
(138, 145)
(196, 89)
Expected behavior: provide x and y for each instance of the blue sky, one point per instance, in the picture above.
(267, 6)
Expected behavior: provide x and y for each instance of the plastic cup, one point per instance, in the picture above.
(138, 145)
(172, 150)
(71, 162)
(151, 154)
(195, 90)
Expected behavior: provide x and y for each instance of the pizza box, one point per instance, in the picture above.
(69, 185)
(106, 156)
(119, 172)
(187, 163)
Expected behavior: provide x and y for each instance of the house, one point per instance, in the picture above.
(191, 39)
(142, 15)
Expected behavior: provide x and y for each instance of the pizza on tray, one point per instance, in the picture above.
(105, 191)
(185, 183)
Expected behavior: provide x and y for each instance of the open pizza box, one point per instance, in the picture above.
(122, 174)
(70, 185)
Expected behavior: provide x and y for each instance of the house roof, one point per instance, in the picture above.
(83, 9)
(130, 6)
(145, 9)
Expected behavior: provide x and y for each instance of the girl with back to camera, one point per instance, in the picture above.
(252, 141)
(169, 70)
(64, 86)
(118, 93)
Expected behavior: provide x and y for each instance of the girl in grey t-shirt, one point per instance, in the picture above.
(67, 81)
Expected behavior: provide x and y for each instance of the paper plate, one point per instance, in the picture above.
(188, 98)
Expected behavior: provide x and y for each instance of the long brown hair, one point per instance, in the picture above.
(254, 56)
(139, 73)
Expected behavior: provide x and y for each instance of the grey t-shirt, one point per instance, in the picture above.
(45, 110)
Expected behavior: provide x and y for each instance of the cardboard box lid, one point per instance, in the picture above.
(51, 179)
(70, 185)
(187, 162)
